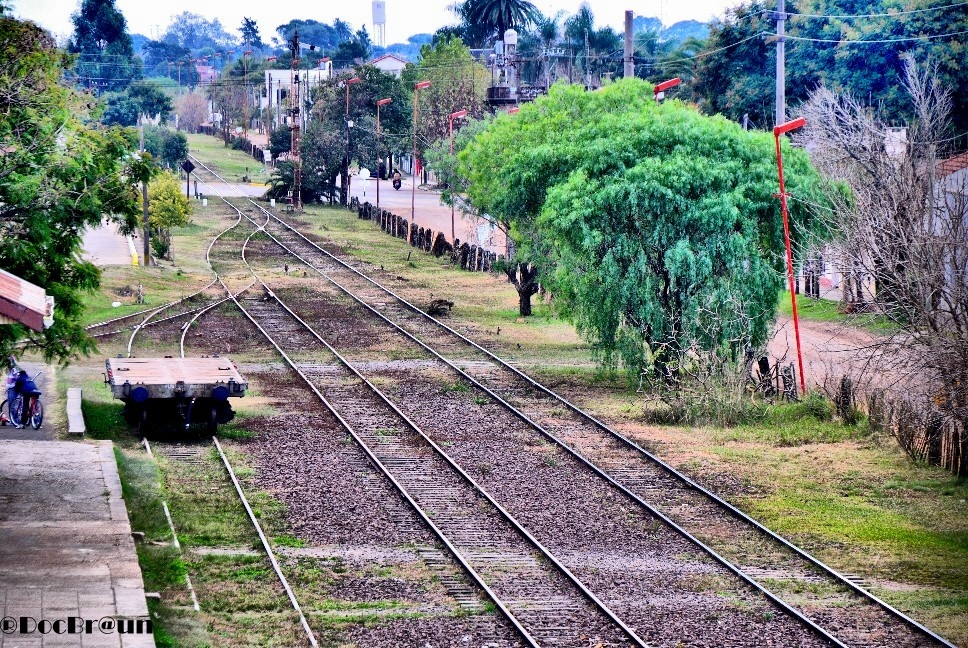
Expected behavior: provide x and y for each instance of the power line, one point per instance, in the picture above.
(877, 15)
(871, 42)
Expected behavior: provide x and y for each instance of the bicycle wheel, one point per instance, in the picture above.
(37, 414)
(4, 418)
(15, 409)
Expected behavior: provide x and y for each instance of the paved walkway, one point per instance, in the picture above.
(103, 246)
(66, 552)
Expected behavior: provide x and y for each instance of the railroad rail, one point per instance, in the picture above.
(192, 454)
(541, 599)
(787, 610)
(632, 468)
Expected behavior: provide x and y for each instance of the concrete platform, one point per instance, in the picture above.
(103, 246)
(66, 550)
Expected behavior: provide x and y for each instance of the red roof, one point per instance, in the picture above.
(952, 164)
(387, 56)
(23, 302)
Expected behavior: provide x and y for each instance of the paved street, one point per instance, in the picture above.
(429, 212)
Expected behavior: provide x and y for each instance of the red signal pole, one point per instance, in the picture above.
(659, 91)
(777, 131)
(450, 118)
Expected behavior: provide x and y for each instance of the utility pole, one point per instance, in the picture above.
(144, 193)
(629, 51)
(245, 92)
(780, 62)
(588, 69)
(294, 124)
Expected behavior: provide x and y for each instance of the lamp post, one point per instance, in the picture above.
(660, 88)
(450, 118)
(245, 92)
(420, 85)
(349, 125)
(777, 131)
(380, 102)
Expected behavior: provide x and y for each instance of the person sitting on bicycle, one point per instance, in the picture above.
(25, 387)
(11, 382)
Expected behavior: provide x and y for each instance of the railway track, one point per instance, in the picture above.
(841, 605)
(682, 616)
(257, 299)
(852, 615)
(746, 630)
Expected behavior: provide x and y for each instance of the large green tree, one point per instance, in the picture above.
(250, 33)
(141, 98)
(490, 18)
(105, 55)
(60, 172)
(194, 32)
(656, 227)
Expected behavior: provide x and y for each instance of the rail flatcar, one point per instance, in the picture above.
(188, 391)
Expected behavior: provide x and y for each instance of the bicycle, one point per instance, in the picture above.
(35, 409)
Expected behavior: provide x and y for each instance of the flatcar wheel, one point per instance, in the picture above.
(141, 420)
(212, 424)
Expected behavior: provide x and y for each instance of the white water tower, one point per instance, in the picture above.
(380, 23)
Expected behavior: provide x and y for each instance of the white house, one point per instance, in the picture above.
(279, 86)
(389, 64)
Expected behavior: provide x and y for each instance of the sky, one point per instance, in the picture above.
(404, 17)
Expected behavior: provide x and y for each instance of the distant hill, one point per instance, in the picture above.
(409, 51)
(685, 29)
(676, 33)
(646, 23)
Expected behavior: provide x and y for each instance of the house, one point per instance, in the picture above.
(279, 85)
(389, 64)
(206, 74)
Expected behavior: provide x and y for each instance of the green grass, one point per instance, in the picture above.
(794, 424)
(825, 310)
(162, 566)
(230, 164)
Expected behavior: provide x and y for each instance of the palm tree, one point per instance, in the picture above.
(496, 16)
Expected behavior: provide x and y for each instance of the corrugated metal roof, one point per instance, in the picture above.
(24, 302)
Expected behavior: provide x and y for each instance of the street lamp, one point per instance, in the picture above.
(420, 85)
(777, 131)
(660, 88)
(451, 118)
(381, 102)
(349, 125)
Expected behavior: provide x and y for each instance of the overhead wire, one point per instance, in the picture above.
(873, 41)
(889, 14)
